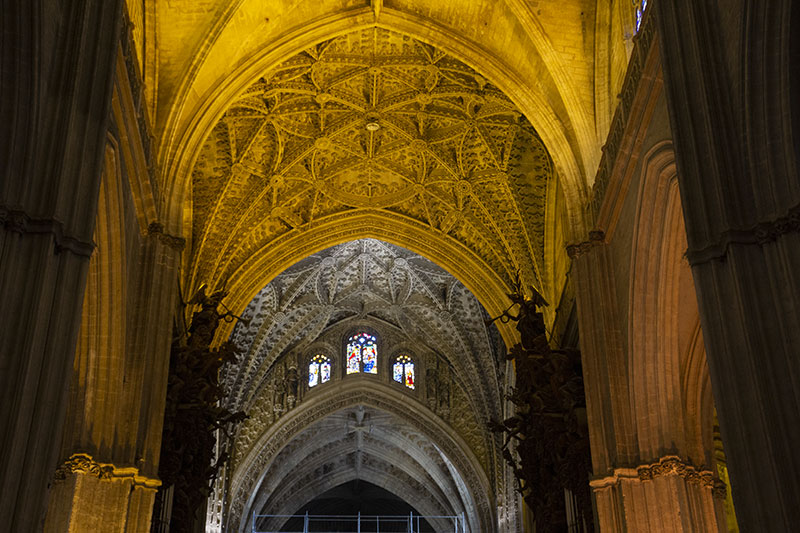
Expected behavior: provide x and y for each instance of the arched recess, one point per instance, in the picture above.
(392, 463)
(448, 253)
(473, 484)
(698, 402)
(189, 125)
(97, 386)
(667, 363)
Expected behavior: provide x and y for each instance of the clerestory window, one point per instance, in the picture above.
(362, 353)
(403, 371)
(319, 370)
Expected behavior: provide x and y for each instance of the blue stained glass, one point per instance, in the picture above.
(370, 358)
(397, 372)
(326, 371)
(313, 374)
(638, 18)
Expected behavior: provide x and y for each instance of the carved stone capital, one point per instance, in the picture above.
(18, 221)
(762, 233)
(156, 229)
(84, 464)
(672, 465)
(578, 249)
(767, 232)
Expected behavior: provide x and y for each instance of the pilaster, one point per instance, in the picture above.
(92, 496)
(612, 432)
(114, 489)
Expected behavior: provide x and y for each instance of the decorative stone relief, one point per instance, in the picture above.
(371, 120)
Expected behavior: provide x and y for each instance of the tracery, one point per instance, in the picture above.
(403, 371)
(319, 370)
(362, 354)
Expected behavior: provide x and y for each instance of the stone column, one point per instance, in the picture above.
(612, 433)
(149, 347)
(668, 494)
(726, 76)
(57, 69)
(113, 431)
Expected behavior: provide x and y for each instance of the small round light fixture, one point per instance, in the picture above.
(373, 126)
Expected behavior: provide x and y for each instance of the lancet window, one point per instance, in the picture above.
(403, 371)
(362, 354)
(319, 370)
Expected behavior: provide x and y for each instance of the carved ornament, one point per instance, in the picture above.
(156, 229)
(672, 465)
(577, 250)
(84, 464)
(371, 121)
(763, 233)
(18, 221)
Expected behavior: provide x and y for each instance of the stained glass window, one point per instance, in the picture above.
(362, 354)
(640, 6)
(319, 370)
(403, 371)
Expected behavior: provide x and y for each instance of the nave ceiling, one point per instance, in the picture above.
(429, 445)
(231, 96)
(370, 124)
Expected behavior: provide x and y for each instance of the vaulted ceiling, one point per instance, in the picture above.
(367, 427)
(392, 164)
(227, 82)
(371, 121)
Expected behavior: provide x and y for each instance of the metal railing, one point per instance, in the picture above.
(307, 523)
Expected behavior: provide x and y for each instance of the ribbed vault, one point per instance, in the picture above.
(372, 121)
(362, 430)
(428, 445)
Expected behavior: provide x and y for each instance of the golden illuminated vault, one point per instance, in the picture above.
(375, 122)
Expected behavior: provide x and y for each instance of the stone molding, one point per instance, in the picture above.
(248, 476)
(633, 75)
(669, 465)
(762, 233)
(18, 221)
(156, 229)
(84, 464)
(578, 249)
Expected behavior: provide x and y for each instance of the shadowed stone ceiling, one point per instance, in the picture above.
(370, 121)
(362, 282)
(410, 302)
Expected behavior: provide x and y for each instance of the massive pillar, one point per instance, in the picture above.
(107, 479)
(57, 65)
(648, 395)
(728, 76)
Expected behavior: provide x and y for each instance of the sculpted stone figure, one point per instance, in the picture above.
(292, 387)
(192, 414)
(545, 443)
(431, 384)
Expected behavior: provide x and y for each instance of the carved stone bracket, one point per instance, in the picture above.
(156, 229)
(578, 249)
(18, 221)
(762, 233)
(83, 463)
